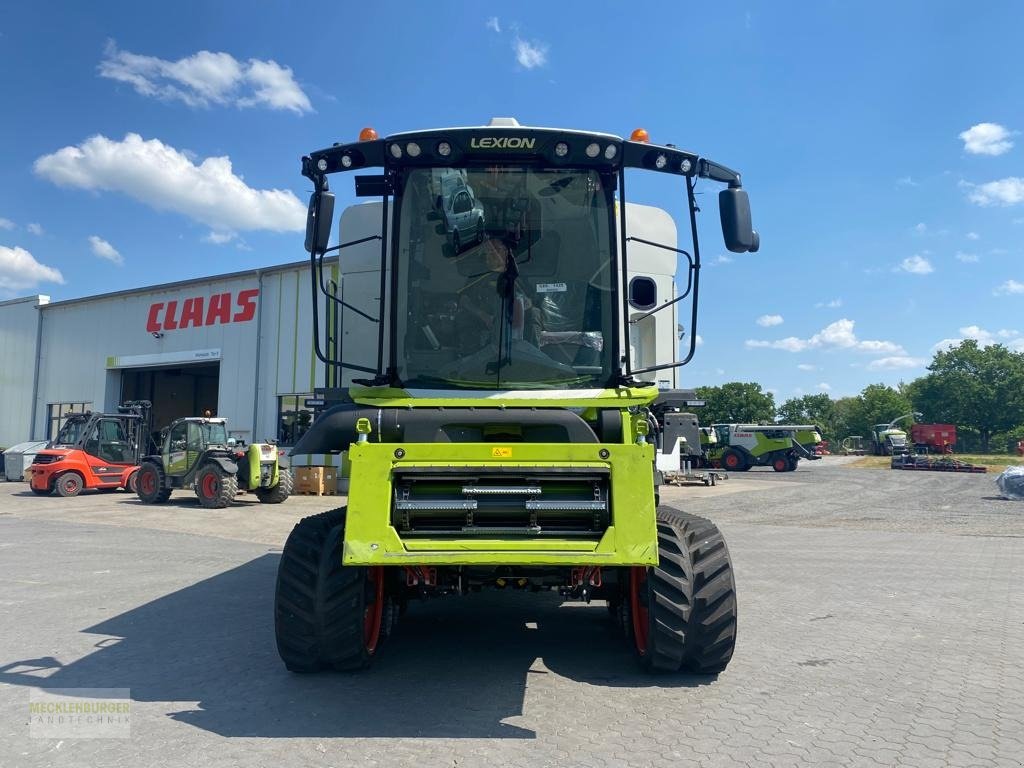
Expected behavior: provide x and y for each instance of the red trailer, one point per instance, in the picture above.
(933, 438)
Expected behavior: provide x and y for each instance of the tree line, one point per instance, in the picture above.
(978, 389)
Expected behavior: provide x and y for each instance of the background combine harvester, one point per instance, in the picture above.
(493, 389)
(738, 447)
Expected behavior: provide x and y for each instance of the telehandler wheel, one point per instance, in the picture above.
(682, 612)
(327, 615)
(149, 484)
(69, 484)
(279, 492)
(733, 460)
(215, 488)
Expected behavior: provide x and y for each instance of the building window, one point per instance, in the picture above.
(293, 418)
(57, 412)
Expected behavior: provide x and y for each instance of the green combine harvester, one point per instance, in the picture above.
(739, 447)
(497, 423)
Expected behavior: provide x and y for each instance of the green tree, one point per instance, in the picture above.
(980, 388)
(736, 402)
(810, 409)
(876, 404)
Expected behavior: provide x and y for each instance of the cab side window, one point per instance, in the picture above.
(195, 437)
(176, 441)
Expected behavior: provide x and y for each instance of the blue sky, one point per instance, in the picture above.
(880, 144)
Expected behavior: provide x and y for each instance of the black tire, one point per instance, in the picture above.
(215, 488)
(69, 484)
(131, 485)
(456, 241)
(327, 615)
(781, 463)
(150, 485)
(733, 461)
(682, 613)
(279, 492)
(793, 462)
(480, 234)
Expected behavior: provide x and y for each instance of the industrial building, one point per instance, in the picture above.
(237, 345)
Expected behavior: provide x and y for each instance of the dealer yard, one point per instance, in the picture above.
(900, 641)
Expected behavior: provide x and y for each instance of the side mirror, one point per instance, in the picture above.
(739, 234)
(318, 228)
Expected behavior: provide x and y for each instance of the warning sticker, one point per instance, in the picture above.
(550, 287)
(501, 453)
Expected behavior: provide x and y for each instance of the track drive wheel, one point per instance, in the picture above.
(69, 484)
(279, 492)
(682, 612)
(733, 460)
(150, 485)
(215, 488)
(327, 615)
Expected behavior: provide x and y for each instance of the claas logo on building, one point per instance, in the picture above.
(198, 311)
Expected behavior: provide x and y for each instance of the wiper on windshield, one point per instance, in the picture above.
(507, 291)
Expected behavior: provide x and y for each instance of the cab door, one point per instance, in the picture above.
(175, 454)
(194, 444)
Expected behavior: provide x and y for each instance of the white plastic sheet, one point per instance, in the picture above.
(1011, 483)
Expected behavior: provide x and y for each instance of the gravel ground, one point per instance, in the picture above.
(881, 623)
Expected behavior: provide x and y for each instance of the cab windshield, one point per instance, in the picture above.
(214, 433)
(504, 278)
(71, 432)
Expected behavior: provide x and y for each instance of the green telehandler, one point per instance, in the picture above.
(197, 453)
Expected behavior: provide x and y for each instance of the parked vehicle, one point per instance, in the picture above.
(933, 438)
(780, 446)
(197, 453)
(93, 450)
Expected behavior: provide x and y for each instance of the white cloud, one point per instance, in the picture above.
(1009, 288)
(837, 335)
(207, 78)
(721, 259)
(105, 250)
(973, 236)
(906, 181)
(807, 367)
(833, 304)
(166, 179)
(20, 271)
(700, 340)
(530, 54)
(966, 258)
(766, 321)
(915, 265)
(987, 139)
(493, 24)
(34, 228)
(6, 224)
(825, 386)
(1008, 191)
(897, 362)
(1008, 337)
(219, 238)
(921, 228)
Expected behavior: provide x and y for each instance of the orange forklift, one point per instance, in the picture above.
(94, 450)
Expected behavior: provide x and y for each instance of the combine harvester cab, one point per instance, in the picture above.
(494, 333)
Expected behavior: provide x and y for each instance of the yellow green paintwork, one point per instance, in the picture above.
(370, 538)
(253, 458)
(618, 397)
